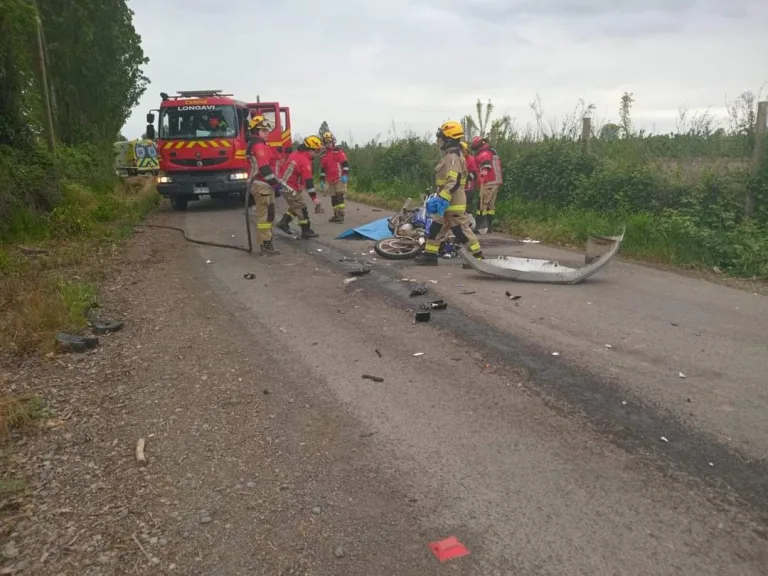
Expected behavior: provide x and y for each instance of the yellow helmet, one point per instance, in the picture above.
(313, 143)
(451, 130)
(328, 136)
(260, 123)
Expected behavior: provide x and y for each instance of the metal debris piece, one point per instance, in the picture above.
(509, 295)
(350, 280)
(360, 272)
(419, 290)
(249, 276)
(74, 343)
(372, 378)
(434, 305)
(423, 316)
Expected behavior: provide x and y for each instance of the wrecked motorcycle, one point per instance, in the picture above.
(409, 228)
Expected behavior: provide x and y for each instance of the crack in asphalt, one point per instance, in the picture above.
(636, 426)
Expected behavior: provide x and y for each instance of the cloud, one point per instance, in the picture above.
(363, 65)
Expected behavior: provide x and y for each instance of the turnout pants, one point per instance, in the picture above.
(338, 192)
(297, 208)
(487, 203)
(264, 196)
(456, 220)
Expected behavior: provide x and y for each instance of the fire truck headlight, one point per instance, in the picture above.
(239, 176)
(164, 180)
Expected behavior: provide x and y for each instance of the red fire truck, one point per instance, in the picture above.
(202, 140)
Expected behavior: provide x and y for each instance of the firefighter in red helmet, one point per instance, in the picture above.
(471, 185)
(489, 165)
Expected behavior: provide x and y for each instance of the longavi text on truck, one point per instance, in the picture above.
(202, 140)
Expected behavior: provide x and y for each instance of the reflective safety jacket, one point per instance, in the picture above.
(489, 163)
(297, 172)
(471, 172)
(333, 165)
(450, 175)
(263, 159)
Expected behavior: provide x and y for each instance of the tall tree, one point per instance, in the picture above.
(96, 61)
(323, 129)
(18, 95)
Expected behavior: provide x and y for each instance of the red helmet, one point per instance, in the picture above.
(477, 142)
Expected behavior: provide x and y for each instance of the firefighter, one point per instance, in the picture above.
(448, 207)
(297, 175)
(264, 185)
(489, 164)
(469, 189)
(334, 172)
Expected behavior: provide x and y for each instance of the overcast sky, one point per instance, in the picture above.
(364, 65)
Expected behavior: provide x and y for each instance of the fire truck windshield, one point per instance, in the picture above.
(180, 122)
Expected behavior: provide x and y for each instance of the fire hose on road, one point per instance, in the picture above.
(247, 220)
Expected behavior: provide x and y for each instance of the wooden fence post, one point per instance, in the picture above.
(758, 153)
(586, 132)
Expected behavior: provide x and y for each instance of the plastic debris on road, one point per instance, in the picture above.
(419, 354)
(448, 549)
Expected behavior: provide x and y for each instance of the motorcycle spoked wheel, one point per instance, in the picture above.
(399, 248)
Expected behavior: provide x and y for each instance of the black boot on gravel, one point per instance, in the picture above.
(268, 249)
(285, 224)
(426, 260)
(307, 232)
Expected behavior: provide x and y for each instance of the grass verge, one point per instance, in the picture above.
(49, 288)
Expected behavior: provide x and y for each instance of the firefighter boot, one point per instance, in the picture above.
(268, 249)
(478, 255)
(425, 259)
(307, 232)
(338, 214)
(285, 224)
(482, 224)
(489, 223)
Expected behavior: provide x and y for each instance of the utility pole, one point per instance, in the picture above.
(758, 153)
(44, 83)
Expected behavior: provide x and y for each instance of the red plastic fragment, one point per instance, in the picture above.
(448, 549)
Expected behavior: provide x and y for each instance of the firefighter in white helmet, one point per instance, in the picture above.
(334, 171)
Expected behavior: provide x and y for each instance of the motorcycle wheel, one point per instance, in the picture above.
(397, 248)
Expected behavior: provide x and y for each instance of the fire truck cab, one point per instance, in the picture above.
(202, 141)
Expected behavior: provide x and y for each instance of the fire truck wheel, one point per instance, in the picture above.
(179, 203)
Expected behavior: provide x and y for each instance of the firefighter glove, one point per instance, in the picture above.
(345, 178)
(437, 205)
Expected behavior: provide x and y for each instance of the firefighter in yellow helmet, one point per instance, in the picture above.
(447, 207)
(297, 176)
(264, 182)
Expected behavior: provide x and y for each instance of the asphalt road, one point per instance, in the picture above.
(540, 464)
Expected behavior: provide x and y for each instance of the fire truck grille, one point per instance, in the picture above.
(205, 161)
